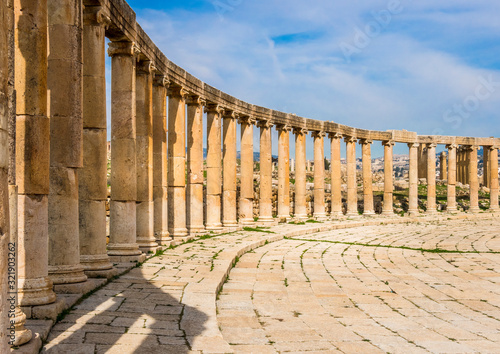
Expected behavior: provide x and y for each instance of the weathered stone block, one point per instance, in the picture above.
(93, 176)
(94, 103)
(92, 227)
(32, 155)
(123, 115)
(177, 172)
(123, 170)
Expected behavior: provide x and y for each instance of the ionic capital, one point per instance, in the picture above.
(246, 120)
(471, 147)
(299, 131)
(177, 91)
(229, 114)
(318, 134)
(161, 80)
(350, 139)
(337, 136)
(494, 147)
(195, 100)
(145, 67)
(213, 108)
(452, 146)
(389, 143)
(365, 141)
(95, 16)
(122, 48)
(413, 145)
(431, 145)
(264, 123)
(283, 128)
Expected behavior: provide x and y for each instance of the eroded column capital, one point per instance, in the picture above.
(161, 80)
(431, 145)
(471, 147)
(491, 148)
(95, 16)
(242, 119)
(452, 146)
(389, 143)
(177, 91)
(413, 145)
(318, 134)
(229, 114)
(211, 107)
(337, 136)
(283, 128)
(195, 100)
(350, 139)
(299, 131)
(365, 141)
(145, 67)
(264, 123)
(123, 48)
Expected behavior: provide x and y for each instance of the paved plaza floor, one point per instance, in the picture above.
(426, 286)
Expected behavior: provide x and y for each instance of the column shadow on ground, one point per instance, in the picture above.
(131, 314)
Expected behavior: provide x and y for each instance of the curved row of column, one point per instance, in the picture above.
(55, 189)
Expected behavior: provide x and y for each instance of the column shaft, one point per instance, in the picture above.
(177, 161)
(229, 171)
(352, 187)
(92, 177)
(414, 168)
(246, 172)
(283, 172)
(443, 167)
(300, 174)
(160, 182)
(473, 179)
(452, 178)
(122, 238)
(144, 157)
(493, 167)
(388, 178)
(336, 175)
(486, 167)
(367, 177)
(32, 151)
(431, 179)
(319, 175)
(194, 189)
(266, 167)
(214, 168)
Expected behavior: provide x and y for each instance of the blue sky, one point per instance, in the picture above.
(426, 66)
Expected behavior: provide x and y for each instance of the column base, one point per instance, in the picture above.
(431, 212)
(22, 335)
(128, 259)
(49, 311)
(196, 229)
(320, 216)
(147, 244)
(163, 238)
(301, 217)
(413, 213)
(95, 262)
(123, 249)
(214, 227)
(179, 232)
(336, 214)
(387, 212)
(452, 210)
(475, 210)
(266, 219)
(35, 292)
(231, 223)
(494, 210)
(67, 274)
(79, 288)
(247, 222)
(369, 213)
(103, 274)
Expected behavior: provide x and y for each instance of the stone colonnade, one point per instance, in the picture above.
(54, 165)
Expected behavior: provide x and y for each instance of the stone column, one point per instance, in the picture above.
(443, 173)
(122, 236)
(367, 177)
(387, 208)
(467, 166)
(229, 170)
(92, 177)
(66, 128)
(493, 168)
(246, 171)
(414, 170)
(292, 165)
(214, 168)
(300, 174)
(144, 157)
(473, 179)
(452, 178)
(336, 174)
(8, 119)
(283, 172)
(486, 167)
(160, 182)
(32, 151)
(309, 167)
(266, 165)
(177, 161)
(422, 162)
(431, 179)
(352, 186)
(194, 191)
(319, 175)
